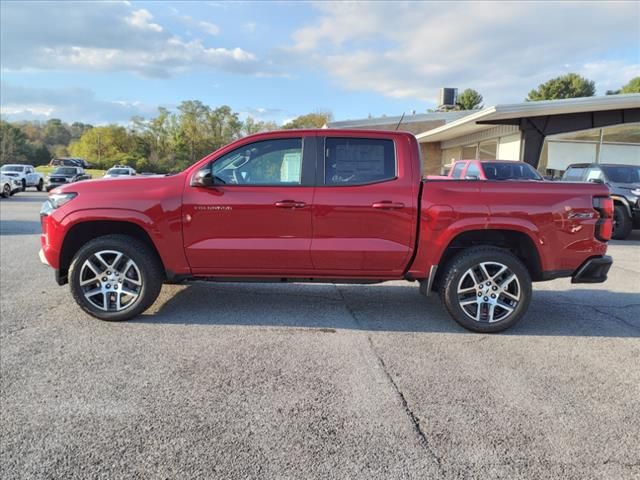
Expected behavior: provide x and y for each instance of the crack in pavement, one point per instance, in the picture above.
(415, 421)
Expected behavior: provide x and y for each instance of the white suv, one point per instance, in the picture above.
(119, 171)
(26, 174)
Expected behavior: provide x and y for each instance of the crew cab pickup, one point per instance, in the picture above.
(25, 174)
(343, 206)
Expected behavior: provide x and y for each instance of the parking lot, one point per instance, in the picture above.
(313, 381)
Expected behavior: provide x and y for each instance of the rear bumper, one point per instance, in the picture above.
(593, 270)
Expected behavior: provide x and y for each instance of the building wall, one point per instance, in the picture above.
(431, 156)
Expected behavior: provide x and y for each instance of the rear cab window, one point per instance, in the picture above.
(358, 161)
(574, 174)
(457, 169)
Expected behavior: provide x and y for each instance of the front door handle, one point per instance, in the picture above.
(388, 205)
(290, 204)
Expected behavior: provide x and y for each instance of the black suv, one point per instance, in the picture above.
(624, 184)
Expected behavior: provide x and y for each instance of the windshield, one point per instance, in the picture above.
(508, 171)
(12, 168)
(64, 171)
(622, 174)
(118, 171)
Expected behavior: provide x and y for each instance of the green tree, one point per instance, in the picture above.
(469, 99)
(570, 85)
(13, 144)
(310, 120)
(105, 146)
(633, 86)
(251, 126)
(56, 133)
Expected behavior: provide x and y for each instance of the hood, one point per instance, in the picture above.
(624, 186)
(123, 184)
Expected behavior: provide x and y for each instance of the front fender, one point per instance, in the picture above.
(164, 232)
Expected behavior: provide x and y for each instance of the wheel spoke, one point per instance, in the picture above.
(468, 302)
(500, 272)
(102, 260)
(485, 272)
(116, 260)
(93, 293)
(89, 281)
(506, 293)
(472, 274)
(492, 309)
(129, 292)
(508, 280)
(505, 306)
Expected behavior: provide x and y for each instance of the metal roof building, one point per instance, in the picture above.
(546, 134)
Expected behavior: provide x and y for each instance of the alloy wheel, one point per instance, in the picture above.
(110, 281)
(489, 292)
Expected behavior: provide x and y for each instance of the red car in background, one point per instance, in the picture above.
(490, 170)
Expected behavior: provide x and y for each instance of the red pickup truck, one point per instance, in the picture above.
(326, 206)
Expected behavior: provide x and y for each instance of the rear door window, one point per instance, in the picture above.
(473, 171)
(358, 161)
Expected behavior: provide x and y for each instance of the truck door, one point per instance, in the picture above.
(256, 218)
(365, 205)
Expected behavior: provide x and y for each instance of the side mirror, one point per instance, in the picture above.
(202, 178)
(471, 177)
(596, 180)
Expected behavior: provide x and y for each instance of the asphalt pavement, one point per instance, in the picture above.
(221, 380)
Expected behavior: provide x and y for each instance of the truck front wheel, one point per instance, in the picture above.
(115, 277)
(486, 289)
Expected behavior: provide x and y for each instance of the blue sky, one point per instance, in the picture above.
(102, 62)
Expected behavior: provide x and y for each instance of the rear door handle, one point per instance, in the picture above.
(290, 204)
(388, 205)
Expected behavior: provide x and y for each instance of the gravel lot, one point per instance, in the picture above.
(313, 381)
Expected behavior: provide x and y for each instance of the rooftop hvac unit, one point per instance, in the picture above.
(448, 97)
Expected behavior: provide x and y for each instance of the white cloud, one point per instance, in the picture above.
(210, 28)
(105, 36)
(501, 49)
(142, 19)
(69, 104)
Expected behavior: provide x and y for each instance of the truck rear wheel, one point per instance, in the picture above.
(40, 185)
(622, 223)
(115, 277)
(486, 289)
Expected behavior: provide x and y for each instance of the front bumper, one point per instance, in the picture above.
(593, 270)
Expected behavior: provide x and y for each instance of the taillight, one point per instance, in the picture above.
(604, 226)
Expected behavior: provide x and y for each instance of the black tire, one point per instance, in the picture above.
(6, 191)
(149, 266)
(24, 184)
(622, 223)
(40, 185)
(456, 275)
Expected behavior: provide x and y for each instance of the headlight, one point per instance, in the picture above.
(58, 199)
(636, 192)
